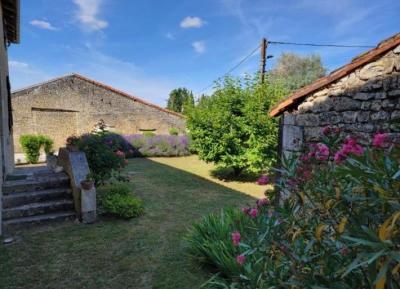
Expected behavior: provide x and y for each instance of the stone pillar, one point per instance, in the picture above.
(76, 166)
(88, 205)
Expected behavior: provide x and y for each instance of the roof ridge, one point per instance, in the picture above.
(105, 86)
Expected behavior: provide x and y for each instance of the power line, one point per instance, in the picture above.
(233, 68)
(320, 45)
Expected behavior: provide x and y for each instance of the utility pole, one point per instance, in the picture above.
(264, 44)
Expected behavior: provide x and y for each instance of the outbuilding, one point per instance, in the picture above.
(361, 98)
(74, 104)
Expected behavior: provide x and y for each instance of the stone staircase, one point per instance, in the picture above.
(35, 196)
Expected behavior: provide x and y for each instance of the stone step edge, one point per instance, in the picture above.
(39, 205)
(40, 218)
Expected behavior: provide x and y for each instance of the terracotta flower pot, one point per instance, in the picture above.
(87, 184)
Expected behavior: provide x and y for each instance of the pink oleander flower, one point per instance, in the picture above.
(326, 130)
(241, 259)
(245, 210)
(126, 162)
(380, 140)
(322, 152)
(351, 146)
(235, 238)
(263, 202)
(120, 154)
(253, 212)
(263, 180)
(339, 157)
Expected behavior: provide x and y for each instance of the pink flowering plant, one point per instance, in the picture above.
(336, 225)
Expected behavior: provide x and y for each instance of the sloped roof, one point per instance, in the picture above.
(11, 19)
(107, 87)
(361, 60)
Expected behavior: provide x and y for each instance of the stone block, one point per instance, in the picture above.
(346, 103)
(307, 119)
(380, 67)
(376, 105)
(322, 104)
(363, 116)
(329, 118)
(363, 96)
(349, 116)
(312, 134)
(379, 115)
(372, 85)
(289, 118)
(394, 93)
(292, 138)
(389, 103)
(395, 114)
(305, 106)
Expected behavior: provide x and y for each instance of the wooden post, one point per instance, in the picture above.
(263, 59)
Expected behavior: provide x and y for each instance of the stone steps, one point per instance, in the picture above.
(38, 198)
(39, 219)
(23, 198)
(36, 184)
(39, 208)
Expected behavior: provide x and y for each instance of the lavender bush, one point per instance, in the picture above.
(158, 145)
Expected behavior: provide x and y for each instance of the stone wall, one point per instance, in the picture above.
(74, 105)
(363, 102)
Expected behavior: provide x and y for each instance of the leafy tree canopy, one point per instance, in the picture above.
(232, 127)
(180, 99)
(297, 71)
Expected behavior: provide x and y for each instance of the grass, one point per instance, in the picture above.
(146, 252)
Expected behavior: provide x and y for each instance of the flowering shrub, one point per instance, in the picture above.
(159, 145)
(103, 154)
(336, 227)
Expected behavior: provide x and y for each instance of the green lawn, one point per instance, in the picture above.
(147, 252)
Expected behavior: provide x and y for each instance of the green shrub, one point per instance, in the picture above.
(47, 144)
(31, 146)
(116, 199)
(173, 131)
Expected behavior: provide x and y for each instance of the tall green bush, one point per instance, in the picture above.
(232, 128)
(31, 145)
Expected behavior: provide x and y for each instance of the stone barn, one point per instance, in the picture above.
(74, 104)
(361, 98)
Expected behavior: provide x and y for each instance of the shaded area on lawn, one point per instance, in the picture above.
(147, 252)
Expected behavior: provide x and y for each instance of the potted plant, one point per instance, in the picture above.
(88, 182)
(72, 143)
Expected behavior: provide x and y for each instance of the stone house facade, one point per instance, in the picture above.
(9, 31)
(360, 98)
(74, 104)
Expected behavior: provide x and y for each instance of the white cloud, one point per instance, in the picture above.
(87, 14)
(170, 36)
(199, 46)
(14, 64)
(192, 22)
(23, 74)
(42, 24)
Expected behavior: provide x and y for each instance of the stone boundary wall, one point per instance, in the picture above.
(72, 105)
(361, 103)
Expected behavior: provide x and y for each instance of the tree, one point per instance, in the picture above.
(232, 127)
(296, 70)
(180, 100)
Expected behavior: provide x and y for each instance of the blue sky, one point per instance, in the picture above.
(149, 47)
